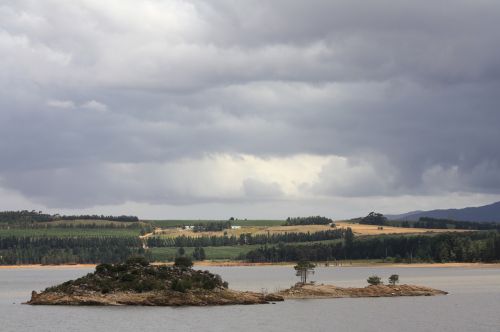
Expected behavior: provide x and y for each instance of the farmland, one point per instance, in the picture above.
(31, 237)
(217, 253)
(69, 232)
(179, 223)
(360, 229)
(268, 228)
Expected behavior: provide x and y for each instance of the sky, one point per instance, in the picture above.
(251, 109)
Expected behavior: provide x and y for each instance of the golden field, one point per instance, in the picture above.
(358, 229)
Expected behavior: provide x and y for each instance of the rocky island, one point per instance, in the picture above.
(136, 282)
(312, 291)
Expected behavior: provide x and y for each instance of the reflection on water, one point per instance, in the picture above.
(472, 305)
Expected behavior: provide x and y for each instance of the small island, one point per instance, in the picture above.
(312, 291)
(136, 282)
(305, 290)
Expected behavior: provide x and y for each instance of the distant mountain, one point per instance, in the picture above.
(489, 212)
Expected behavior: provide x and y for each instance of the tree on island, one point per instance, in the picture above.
(374, 280)
(183, 262)
(134, 259)
(394, 279)
(304, 269)
(181, 251)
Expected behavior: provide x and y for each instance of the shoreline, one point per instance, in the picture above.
(43, 266)
(354, 264)
(282, 264)
(202, 297)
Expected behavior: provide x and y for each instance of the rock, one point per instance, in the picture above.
(273, 297)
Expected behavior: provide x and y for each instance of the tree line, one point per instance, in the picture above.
(213, 226)
(245, 239)
(53, 250)
(374, 218)
(379, 219)
(446, 247)
(121, 218)
(72, 225)
(25, 216)
(313, 220)
(433, 223)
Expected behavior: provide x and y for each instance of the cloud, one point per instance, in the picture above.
(255, 189)
(61, 103)
(318, 100)
(356, 178)
(212, 178)
(95, 105)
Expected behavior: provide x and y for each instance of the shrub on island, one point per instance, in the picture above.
(374, 280)
(137, 275)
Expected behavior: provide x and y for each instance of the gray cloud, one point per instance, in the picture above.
(405, 92)
(260, 190)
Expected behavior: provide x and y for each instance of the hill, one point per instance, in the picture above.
(489, 212)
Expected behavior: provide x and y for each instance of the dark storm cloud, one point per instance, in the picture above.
(406, 92)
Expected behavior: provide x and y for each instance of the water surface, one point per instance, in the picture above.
(472, 305)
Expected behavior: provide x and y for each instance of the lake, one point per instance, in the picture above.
(472, 305)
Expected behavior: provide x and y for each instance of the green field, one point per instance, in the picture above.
(174, 223)
(215, 253)
(219, 253)
(69, 232)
